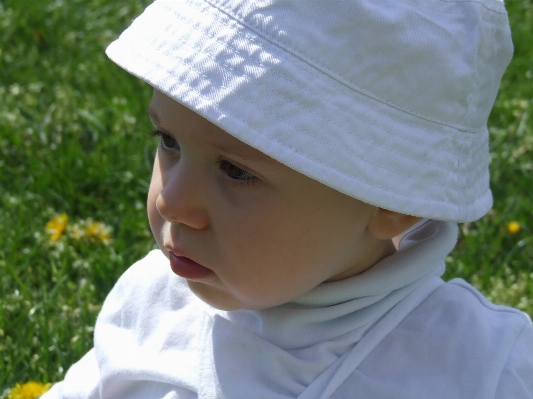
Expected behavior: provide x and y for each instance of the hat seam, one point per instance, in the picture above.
(304, 57)
(318, 75)
(290, 148)
(333, 143)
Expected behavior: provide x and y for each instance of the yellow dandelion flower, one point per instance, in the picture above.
(56, 226)
(513, 227)
(29, 390)
(98, 230)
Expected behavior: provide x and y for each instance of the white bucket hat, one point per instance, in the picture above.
(386, 101)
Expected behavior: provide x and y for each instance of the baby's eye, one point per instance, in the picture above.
(235, 172)
(169, 142)
(166, 140)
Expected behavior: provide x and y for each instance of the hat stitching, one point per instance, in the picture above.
(339, 146)
(306, 58)
(318, 75)
(363, 138)
(321, 139)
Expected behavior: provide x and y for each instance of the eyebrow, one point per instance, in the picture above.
(251, 154)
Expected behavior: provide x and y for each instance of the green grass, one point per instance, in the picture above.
(72, 141)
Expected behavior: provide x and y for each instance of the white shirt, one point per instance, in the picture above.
(394, 331)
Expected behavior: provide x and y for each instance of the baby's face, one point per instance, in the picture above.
(246, 231)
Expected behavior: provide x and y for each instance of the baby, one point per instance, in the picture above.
(299, 142)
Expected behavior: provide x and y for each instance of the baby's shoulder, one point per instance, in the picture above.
(458, 307)
(455, 344)
(458, 320)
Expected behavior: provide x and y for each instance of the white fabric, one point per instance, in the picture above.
(395, 331)
(386, 101)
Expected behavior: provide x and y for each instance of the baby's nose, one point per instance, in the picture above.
(182, 198)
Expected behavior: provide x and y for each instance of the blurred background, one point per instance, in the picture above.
(75, 164)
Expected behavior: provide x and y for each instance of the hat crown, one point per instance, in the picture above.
(439, 60)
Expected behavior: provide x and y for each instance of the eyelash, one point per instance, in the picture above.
(162, 136)
(249, 180)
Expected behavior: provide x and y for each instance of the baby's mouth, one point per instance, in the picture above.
(187, 268)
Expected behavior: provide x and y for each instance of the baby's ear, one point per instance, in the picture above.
(385, 224)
